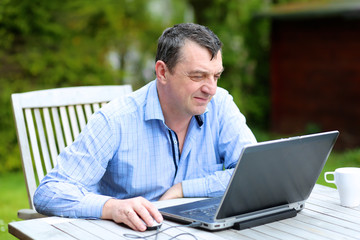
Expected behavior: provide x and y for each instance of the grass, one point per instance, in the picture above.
(13, 197)
(13, 192)
(350, 158)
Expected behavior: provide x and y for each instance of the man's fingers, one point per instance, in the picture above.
(148, 212)
(154, 212)
(132, 212)
(133, 221)
(139, 215)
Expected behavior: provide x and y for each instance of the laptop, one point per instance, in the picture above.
(271, 181)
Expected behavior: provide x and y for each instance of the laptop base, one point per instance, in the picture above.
(265, 219)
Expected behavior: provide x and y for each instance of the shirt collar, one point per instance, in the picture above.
(153, 108)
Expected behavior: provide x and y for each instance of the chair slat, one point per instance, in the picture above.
(50, 134)
(73, 121)
(42, 138)
(58, 130)
(34, 144)
(66, 126)
(96, 107)
(88, 111)
(81, 116)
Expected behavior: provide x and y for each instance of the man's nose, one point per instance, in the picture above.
(210, 86)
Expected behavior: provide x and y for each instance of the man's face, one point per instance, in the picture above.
(193, 80)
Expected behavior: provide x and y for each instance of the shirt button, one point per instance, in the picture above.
(175, 142)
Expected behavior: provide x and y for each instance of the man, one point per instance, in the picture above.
(178, 136)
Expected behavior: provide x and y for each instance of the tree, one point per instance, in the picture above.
(245, 52)
(47, 44)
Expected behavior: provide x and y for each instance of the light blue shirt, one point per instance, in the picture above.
(126, 150)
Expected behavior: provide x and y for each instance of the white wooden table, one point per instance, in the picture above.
(322, 218)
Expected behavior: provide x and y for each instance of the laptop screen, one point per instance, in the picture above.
(276, 173)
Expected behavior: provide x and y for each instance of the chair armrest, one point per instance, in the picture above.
(26, 214)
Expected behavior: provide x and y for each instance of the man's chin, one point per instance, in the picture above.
(199, 111)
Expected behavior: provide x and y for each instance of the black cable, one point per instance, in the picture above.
(193, 224)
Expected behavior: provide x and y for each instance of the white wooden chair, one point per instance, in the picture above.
(47, 121)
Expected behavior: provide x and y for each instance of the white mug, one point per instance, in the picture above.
(347, 181)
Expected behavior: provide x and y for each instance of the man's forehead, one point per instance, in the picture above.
(190, 45)
(193, 51)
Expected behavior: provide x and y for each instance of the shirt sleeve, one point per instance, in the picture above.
(213, 185)
(232, 136)
(70, 188)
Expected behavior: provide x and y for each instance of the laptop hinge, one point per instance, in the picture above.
(265, 219)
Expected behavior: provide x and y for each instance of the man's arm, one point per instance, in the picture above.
(200, 187)
(213, 185)
(175, 191)
(70, 189)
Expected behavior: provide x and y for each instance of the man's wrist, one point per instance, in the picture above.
(107, 209)
(179, 190)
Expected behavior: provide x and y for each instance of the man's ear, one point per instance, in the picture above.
(161, 71)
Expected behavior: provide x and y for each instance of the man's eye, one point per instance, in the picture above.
(197, 77)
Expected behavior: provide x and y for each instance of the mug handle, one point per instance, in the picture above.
(327, 180)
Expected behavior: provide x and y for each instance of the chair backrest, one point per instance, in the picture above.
(49, 120)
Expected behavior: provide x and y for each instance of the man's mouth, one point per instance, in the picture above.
(202, 99)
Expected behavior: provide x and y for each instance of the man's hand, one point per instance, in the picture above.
(129, 212)
(173, 192)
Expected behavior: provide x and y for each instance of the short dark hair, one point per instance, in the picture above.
(172, 39)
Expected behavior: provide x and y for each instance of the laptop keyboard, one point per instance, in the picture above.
(208, 211)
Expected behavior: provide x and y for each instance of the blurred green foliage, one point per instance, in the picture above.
(245, 52)
(48, 44)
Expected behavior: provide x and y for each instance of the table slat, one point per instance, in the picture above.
(277, 233)
(37, 229)
(75, 232)
(334, 229)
